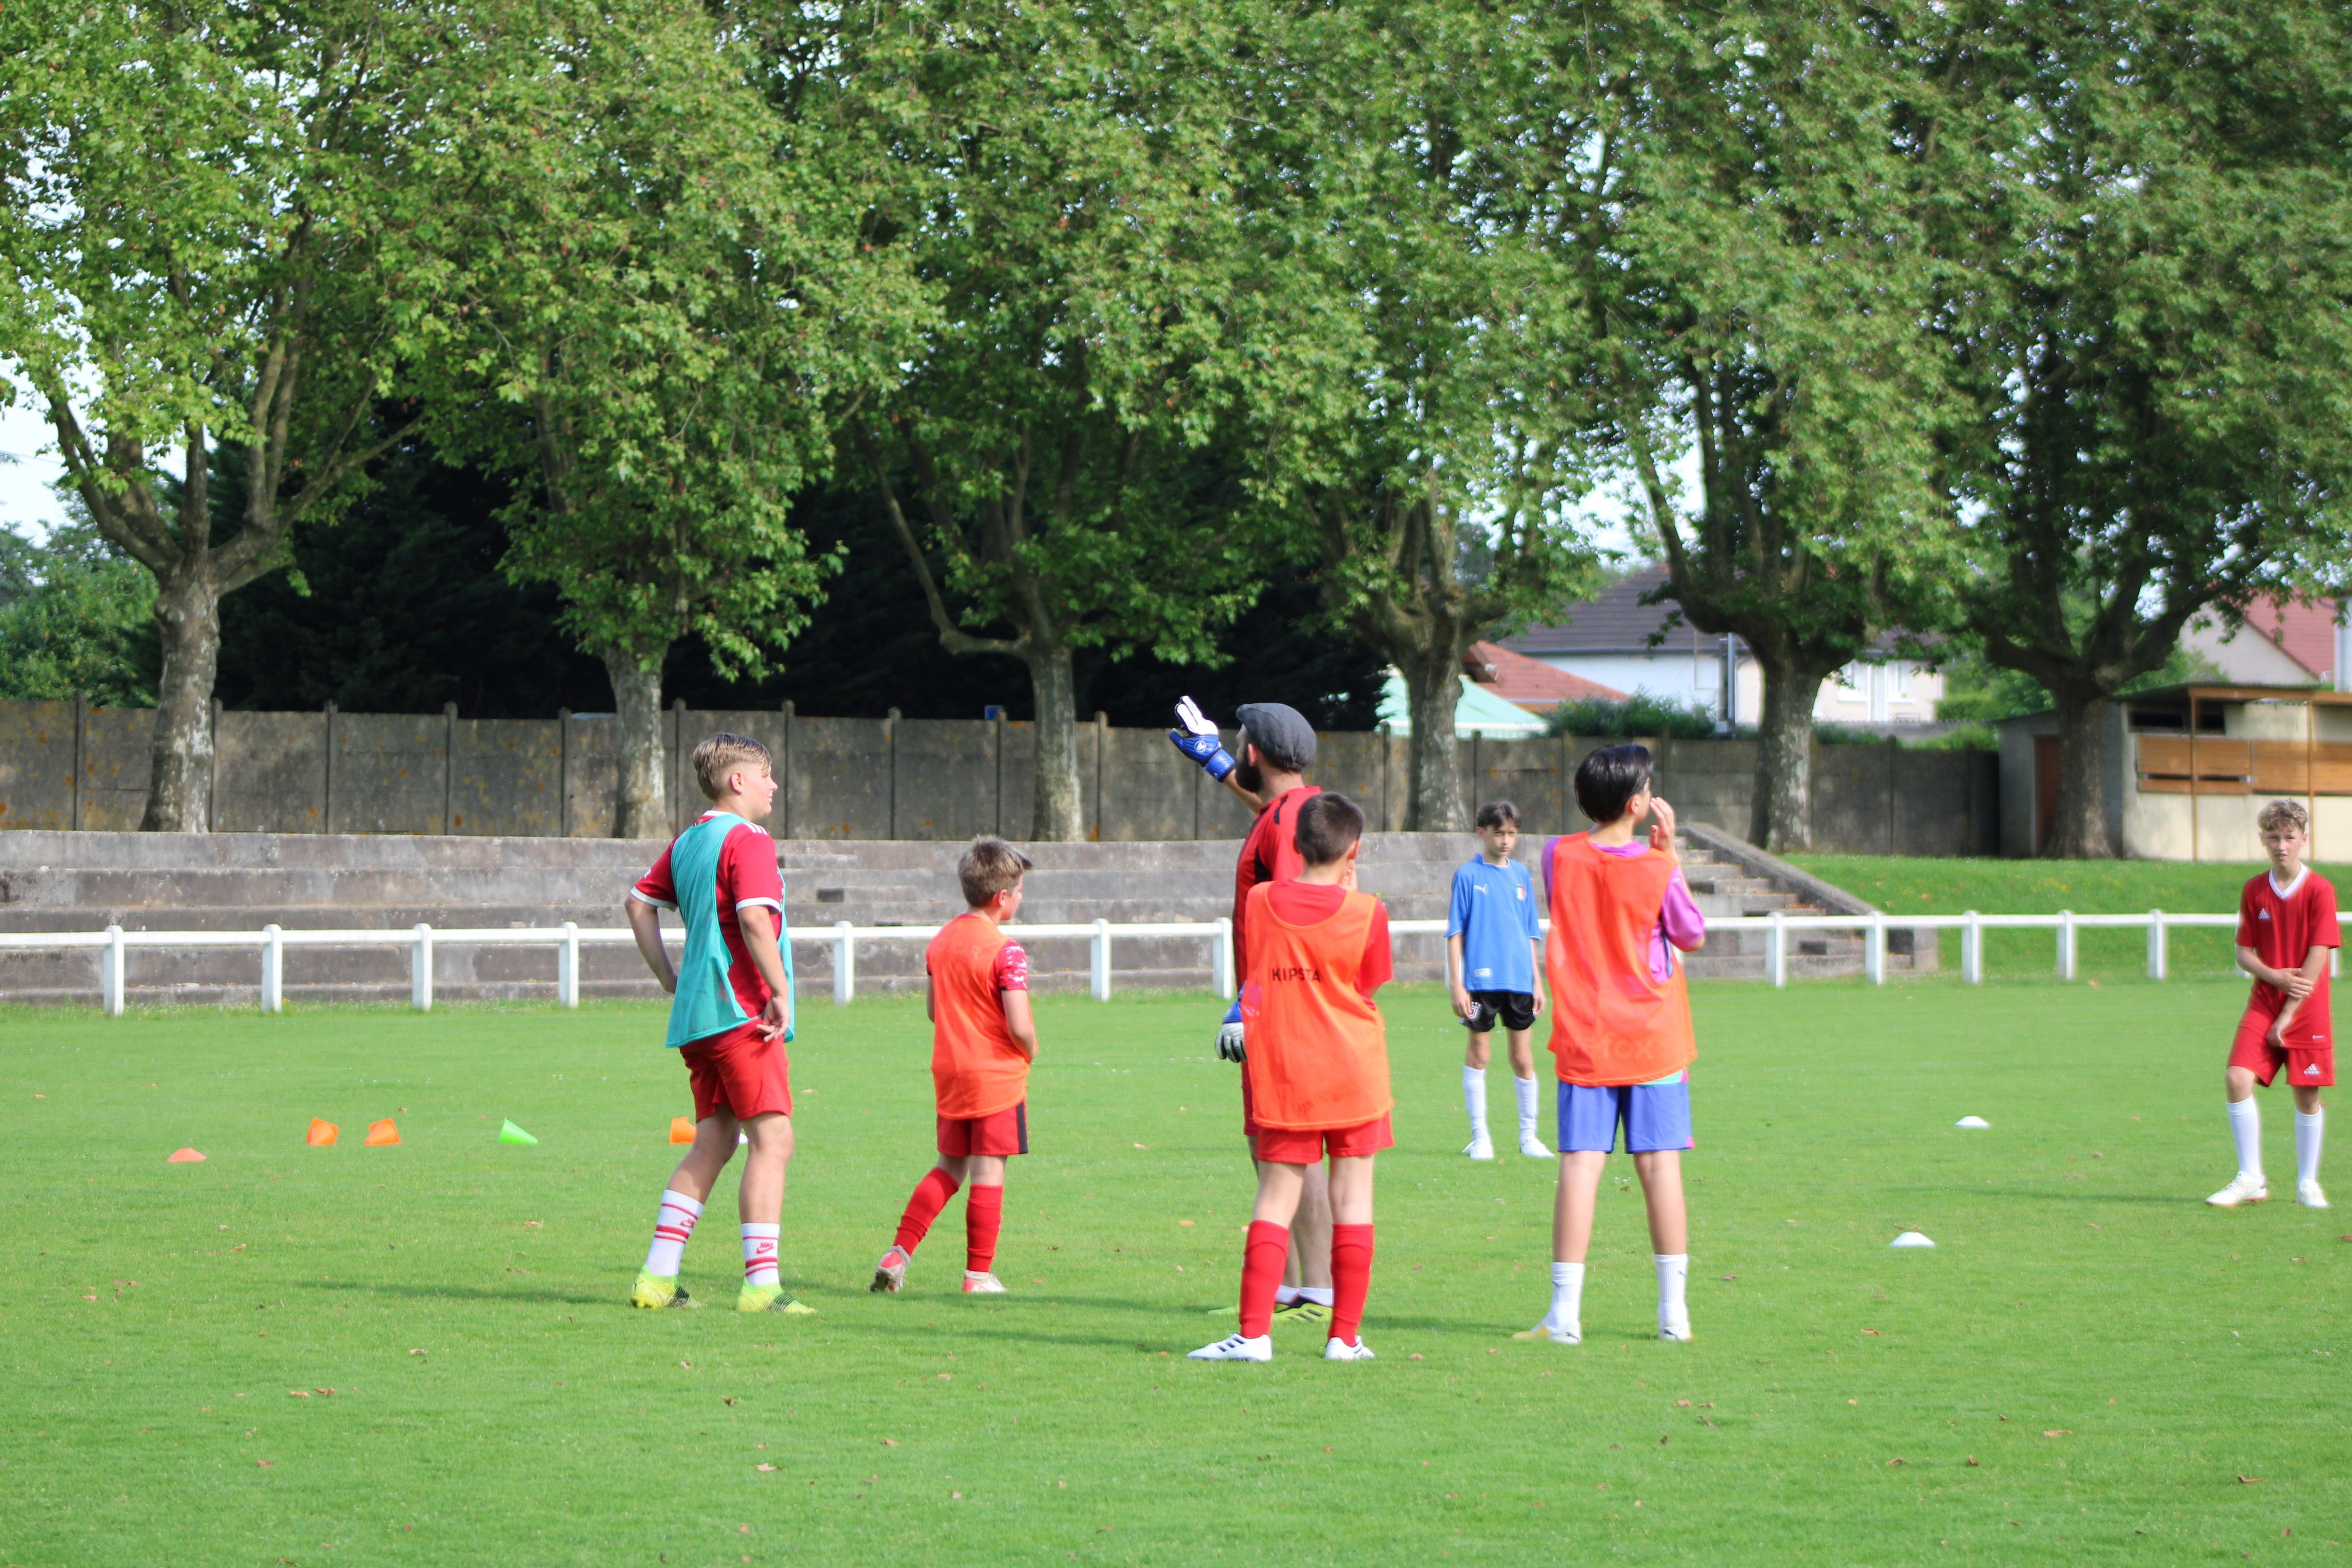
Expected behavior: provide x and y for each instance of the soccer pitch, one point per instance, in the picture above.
(2090, 1366)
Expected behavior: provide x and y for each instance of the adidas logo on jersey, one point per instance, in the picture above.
(2262, 914)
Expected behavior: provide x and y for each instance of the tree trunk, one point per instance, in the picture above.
(187, 620)
(1780, 817)
(1432, 685)
(2083, 830)
(641, 808)
(1057, 814)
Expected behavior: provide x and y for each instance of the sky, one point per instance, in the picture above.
(26, 503)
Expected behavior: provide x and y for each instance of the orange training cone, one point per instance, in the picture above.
(681, 1131)
(182, 1157)
(381, 1133)
(321, 1133)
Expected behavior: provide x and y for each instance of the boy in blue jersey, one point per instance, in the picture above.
(730, 1014)
(1494, 951)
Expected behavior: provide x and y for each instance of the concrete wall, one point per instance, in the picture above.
(64, 766)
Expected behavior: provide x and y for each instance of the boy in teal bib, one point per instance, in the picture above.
(731, 1015)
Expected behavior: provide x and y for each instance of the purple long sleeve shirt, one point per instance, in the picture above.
(1680, 924)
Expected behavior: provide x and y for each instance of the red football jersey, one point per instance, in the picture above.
(1270, 854)
(747, 876)
(2282, 931)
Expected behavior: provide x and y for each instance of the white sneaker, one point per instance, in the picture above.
(1531, 1146)
(2243, 1189)
(2308, 1194)
(1571, 1336)
(1679, 1332)
(1340, 1350)
(1236, 1347)
(982, 1284)
(1480, 1148)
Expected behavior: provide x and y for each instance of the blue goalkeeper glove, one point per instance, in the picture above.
(1197, 739)
(1229, 1034)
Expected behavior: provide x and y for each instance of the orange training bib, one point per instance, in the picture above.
(1610, 1022)
(1318, 1053)
(976, 1067)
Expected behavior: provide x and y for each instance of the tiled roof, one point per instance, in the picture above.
(2304, 633)
(1530, 683)
(1617, 621)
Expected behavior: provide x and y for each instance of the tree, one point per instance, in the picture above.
(1415, 413)
(202, 246)
(2153, 336)
(665, 300)
(76, 616)
(1756, 257)
(1059, 182)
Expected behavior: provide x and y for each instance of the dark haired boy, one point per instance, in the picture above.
(1318, 1073)
(1494, 951)
(1277, 746)
(1621, 1032)
(976, 994)
(730, 1014)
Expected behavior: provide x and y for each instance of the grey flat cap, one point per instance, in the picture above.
(1281, 732)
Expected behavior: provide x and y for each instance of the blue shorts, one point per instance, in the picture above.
(1655, 1116)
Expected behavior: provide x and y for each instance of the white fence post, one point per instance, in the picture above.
(1221, 957)
(1776, 952)
(1972, 950)
(2065, 944)
(1874, 950)
(1101, 961)
(111, 981)
(2156, 953)
(273, 969)
(567, 966)
(844, 962)
(420, 970)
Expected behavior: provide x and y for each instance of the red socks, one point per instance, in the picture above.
(983, 1215)
(1263, 1257)
(932, 1196)
(1351, 1278)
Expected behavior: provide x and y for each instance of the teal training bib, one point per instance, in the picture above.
(704, 1003)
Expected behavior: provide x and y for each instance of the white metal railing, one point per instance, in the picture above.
(420, 941)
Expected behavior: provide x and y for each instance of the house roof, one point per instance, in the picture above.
(1618, 621)
(2304, 633)
(1477, 712)
(1529, 682)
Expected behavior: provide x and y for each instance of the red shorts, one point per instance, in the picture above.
(739, 1073)
(1282, 1146)
(2308, 1065)
(1006, 1132)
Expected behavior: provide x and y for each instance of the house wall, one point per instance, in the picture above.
(2245, 656)
(1896, 692)
(1676, 676)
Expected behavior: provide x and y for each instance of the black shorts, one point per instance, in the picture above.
(1517, 1010)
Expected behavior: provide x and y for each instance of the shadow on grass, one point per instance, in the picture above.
(2150, 1200)
(518, 1294)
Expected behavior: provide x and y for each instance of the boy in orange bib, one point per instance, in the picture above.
(1621, 1033)
(1318, 1064)
(983, 1042)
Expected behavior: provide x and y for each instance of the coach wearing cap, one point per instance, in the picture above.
(1277, 747)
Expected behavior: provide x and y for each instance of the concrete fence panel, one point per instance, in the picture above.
(270, 772)
(592, 782)
(506, 778)
(390, 773)
(1144, 798)
(37, 765)
(943, 772)
(841, 778)
(118, 749)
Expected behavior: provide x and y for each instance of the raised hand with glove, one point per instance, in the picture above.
(1197, 738)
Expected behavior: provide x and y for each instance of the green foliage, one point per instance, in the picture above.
(1639, 716)
(1978, 691)
(75, 615)
(547, 1424)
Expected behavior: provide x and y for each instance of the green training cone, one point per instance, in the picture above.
(510, 1133)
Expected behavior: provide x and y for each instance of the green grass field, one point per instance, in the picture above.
(1920, 885)
(2090, 1367)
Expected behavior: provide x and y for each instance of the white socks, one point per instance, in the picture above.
(1673, 1275)
(2308, 1130)
(1318, 1294)
(2246, 1132)
(1474, 1100)
(1528, 1108)
(1567, 1296)
(672, 1225)
(759, 1255)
